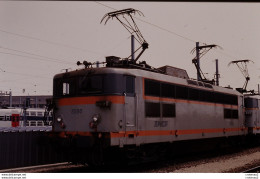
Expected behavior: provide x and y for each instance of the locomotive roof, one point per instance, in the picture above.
(145, 74)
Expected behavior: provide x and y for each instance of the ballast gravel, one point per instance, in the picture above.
(229, 163)
(233, 163)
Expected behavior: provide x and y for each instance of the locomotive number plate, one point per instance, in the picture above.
(76, 111)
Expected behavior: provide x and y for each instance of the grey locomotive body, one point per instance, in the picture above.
(98, 109)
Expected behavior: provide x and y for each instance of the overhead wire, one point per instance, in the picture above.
(35, 58)
(28, 75)
(53, 59)
(105, 5)
(20, 79)
(34, 76)
(49, 42)
(164, 29)
(23, 74)
(38, 57)
(18, 88)
(68, 46)
(226, 54)
(169, 31)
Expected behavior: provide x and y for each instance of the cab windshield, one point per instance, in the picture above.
(106, 84)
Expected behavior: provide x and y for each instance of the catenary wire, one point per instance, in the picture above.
(53, 59)
(186, 38)
(35, 58)
(49, 42)
(35, 76)
(169, 31)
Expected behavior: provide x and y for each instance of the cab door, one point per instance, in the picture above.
(130, 109)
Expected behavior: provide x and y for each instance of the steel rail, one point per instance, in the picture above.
(13, 170)
(252, 170)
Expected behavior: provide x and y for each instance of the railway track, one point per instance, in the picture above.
(165, 166)
(37, 168)
(253, 170)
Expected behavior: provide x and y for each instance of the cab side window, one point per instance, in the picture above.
(129, 85)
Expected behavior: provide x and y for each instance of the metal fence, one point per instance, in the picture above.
(20, 149)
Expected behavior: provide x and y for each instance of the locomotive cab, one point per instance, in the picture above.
(90, 104)
(252, 114)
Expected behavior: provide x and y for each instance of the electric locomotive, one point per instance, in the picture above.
(97, 109)
(128, 110)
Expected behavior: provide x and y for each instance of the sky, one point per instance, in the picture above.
(39, 39)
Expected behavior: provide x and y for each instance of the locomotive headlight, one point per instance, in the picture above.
(59, 119)
(95, 121)
(96, 118)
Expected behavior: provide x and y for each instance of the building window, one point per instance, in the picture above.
(7, 118)
(39, 113)
(33, 113)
